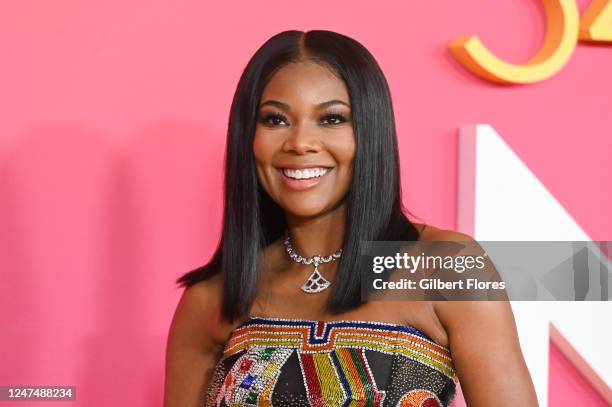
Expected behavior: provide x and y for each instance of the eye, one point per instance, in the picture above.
(333, 119)
(273, 119)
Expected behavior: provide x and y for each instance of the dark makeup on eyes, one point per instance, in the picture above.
(332, 111)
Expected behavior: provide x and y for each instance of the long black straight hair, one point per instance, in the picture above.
(252, 220)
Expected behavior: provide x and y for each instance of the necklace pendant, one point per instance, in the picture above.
(316, 282)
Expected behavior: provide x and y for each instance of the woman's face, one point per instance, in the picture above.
(304, 144)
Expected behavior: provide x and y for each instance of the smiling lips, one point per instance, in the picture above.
(304, 178)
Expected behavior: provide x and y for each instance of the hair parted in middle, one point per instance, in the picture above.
(252, 220)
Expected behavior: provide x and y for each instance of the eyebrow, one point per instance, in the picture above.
(285, 106)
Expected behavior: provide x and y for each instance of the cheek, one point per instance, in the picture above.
(259, 148)
(264, 147)
(344, 150)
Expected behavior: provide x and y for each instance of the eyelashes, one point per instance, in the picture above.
(279, 119)
(273, 119)
(334, 118)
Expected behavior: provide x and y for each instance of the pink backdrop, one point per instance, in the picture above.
(112, 132)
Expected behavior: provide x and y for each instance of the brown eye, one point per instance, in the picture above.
(333, 119)
(273, 120)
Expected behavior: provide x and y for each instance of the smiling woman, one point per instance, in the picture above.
(304, 144)
(312, 169)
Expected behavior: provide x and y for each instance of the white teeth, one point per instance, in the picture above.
(305, 173)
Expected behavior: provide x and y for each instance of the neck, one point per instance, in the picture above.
(322, 235)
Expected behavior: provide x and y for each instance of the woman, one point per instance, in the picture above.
(312, 168)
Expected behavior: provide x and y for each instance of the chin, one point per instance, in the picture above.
(305, 211)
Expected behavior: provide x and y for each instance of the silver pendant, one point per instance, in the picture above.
(316, 282)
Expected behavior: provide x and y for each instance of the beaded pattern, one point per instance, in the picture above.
(419, 398)
(252, 381)
(295, 362)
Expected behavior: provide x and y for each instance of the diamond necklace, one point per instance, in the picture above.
(316, 282)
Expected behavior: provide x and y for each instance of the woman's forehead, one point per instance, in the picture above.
(305, 82)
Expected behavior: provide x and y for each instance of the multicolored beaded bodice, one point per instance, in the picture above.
(293, 362)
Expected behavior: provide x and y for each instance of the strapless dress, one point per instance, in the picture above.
(270, 361)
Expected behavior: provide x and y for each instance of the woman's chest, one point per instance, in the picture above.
(304, 363)
(418, 314)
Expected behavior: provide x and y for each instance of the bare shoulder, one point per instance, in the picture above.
(423, 314)
(482, 337)
(199, 308)
(429, 232)
(453, 312)
(195, 342)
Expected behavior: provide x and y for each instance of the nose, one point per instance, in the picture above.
(301, 139)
